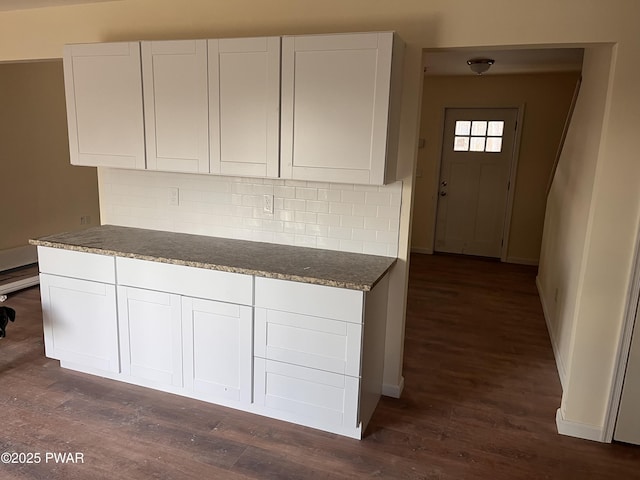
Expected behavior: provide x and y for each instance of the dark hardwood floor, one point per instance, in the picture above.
(479, 403)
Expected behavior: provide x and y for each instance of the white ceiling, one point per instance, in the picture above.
(25, 4)
(454, 62)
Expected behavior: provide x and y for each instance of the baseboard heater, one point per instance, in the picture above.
(13, 258)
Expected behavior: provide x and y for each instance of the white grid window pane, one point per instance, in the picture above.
(495, 129)
(463, 127)
(461, 144)
(479, 128)
(494, 144)
(477, 144)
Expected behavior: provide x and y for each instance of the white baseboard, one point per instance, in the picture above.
(562, 371)
(393, 391)
(18, 257)
(578, 430)
(19, 284)
(523, 261)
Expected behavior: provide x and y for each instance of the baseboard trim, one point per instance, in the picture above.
(19, 285)
(427, 251)
(562, 371)
(523, 261)
(18, 257)
(578, 430)
(394, 391)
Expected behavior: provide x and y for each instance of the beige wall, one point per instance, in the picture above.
(614, 208)
(42, 193)
(546, 99)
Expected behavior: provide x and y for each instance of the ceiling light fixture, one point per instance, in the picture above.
(480, 65)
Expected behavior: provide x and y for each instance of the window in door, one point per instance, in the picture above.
(478, 136)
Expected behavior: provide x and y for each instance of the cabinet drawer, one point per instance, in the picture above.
(308, 299)
(308, 341)
(307, 396)
(182, 280)
(82, 265)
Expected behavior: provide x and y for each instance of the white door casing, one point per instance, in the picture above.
(474, 180)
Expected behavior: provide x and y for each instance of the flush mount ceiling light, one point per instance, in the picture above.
(480, 65)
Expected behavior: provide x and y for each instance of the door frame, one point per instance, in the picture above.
(513, 170)
(631, 311)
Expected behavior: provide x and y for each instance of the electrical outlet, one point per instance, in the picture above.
(267, 206)
(174, 197)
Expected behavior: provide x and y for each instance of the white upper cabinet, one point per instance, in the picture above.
(336, 95)
(174, 75)
(104, 104)
(317, 107)
(244, 106)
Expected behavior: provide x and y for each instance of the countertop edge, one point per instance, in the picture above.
(364, 287)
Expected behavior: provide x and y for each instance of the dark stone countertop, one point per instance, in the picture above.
(310, 265)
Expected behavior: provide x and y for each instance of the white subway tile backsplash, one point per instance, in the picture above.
(365, 210)
(351, 221)
(307, 193)
(353, 197)
(378, 198)
(375, 223)
(328, 219)
(388, 212)
(294, 204)
(284, 191)
(341, 208)
(341, 233)
(328, 195)
(316, 206)
(364, 235)
(306, 217)
(346, 217)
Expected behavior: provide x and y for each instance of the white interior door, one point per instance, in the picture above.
(477, 154)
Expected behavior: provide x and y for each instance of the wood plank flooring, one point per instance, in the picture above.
(479, 403)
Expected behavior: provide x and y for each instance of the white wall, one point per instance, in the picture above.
(349, 218)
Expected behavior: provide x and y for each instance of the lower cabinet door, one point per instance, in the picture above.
(218, 351)
(307, 396)
(150, 335)
(80, 322)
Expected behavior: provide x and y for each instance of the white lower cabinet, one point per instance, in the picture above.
(303, 353)
(310, 365)
(150, 335)
(80, 322)
(217, 349)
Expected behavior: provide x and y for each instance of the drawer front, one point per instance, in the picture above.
(82, 265)
(305, 395)
(308, 299)
(183, 280)
(309, 341)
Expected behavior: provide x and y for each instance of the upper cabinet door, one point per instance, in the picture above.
(175, 104)
(335, 107)
(104, 104)
(244, 89)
